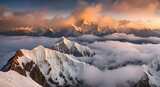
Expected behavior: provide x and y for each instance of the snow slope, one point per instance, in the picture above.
(13, 79)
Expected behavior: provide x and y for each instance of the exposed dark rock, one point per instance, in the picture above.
(37, 76)
(14, 65)
(143, 82)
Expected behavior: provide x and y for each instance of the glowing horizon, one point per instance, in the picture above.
(118, 14)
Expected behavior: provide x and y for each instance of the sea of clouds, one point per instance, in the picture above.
(118, 61)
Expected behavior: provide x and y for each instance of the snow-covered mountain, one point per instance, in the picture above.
(47, 67)
(80, 28)
(153, 72)
(13, 79)
(70, 47)
(143, 82)
(55, 68)
(152, 76)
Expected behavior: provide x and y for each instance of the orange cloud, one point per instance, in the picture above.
(94, 15)
(90, 14)
(136, 7)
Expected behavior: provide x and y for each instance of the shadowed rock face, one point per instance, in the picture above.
(143, 82)
(14, 65)
(47, 67)
(151, 78)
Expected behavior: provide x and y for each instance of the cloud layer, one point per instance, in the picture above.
(114, 64)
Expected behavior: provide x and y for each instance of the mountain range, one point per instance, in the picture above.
(58, 66)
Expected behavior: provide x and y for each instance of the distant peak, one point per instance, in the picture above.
(65, 39)
(71, 47)
(39, 47)
(67, 42)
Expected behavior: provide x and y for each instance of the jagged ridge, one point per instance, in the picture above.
(70, 47)
(47, 67)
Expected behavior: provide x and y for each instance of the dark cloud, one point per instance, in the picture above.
(143, 7)
(121, 6)
(38, 4)
(147, 7)
(10, 19)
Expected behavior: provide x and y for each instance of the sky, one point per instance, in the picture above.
(130, 13)
(121, 6)
(39, 4)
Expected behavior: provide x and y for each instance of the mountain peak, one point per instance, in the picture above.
(74, 48)
(39, 47)
(153, 72)
(67, 42)
(46, 66)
